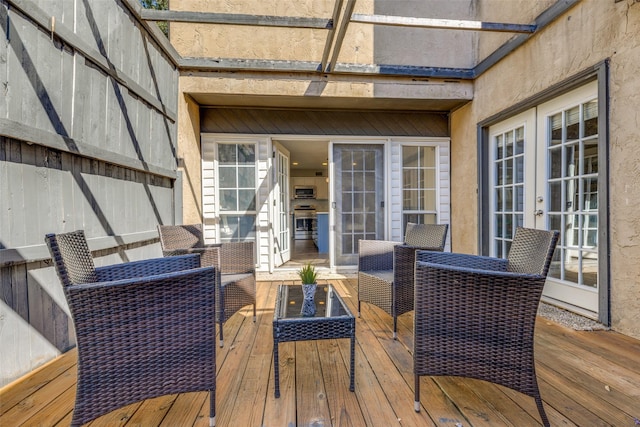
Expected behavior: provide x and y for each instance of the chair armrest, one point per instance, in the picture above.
(237, 258)
(479, 273)
(463, 260)
(376, 255)
(404, 258)
(148, 267)
(209, 255)
(466, 296)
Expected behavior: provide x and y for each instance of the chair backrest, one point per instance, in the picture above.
(426, 235)
(531, 251)
(181, 236)
(72, 257)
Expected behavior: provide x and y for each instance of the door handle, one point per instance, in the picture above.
(538, 212)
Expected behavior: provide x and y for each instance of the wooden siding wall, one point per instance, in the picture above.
(310, 122)
(88, 101)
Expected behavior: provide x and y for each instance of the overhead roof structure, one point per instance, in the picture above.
(336, 27)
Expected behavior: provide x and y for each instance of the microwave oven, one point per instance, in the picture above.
(304, 192)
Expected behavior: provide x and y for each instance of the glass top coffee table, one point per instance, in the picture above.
(332, 319)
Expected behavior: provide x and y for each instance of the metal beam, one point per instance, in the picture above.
(231, 64)
(344, 23)
(404, 71)
(331, 35)
(236, 19)
(543, 20)
(449, 24)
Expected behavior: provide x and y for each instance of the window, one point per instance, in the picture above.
(237, 191)
(419, 194)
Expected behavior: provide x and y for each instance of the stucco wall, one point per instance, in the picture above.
(190, 165)
(464, 178)
(363, 43)
(587, 34)
(271, 43)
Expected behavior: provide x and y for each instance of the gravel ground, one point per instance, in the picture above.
(568, 319)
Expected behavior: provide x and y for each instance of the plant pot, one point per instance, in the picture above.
(309, 290)
(308, 304)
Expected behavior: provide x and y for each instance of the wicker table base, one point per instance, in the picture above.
(332, 319)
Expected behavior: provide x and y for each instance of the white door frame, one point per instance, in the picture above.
(579, 298)
(278, 208)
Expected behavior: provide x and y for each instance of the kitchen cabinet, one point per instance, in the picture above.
(321, 232)
(320, 182)
(322, 188)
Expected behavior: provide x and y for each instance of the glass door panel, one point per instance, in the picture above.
(512, 201)
(358, 188)
(572, 146)
(282, 223)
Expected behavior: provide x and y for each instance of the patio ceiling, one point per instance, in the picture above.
(336, 27)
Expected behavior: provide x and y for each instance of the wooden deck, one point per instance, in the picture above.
(586, 379)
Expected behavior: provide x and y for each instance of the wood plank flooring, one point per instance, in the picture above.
(586, 379)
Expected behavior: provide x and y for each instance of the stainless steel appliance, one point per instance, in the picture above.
(304, 192)
(304, 220)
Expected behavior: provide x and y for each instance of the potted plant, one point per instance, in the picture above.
(308, 276)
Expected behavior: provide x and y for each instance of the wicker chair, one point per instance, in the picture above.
(234, 262)
(475, 316)
(385, 268)
(143, 329)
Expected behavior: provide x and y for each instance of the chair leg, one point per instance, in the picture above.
(395, 327)
(254, 312)
(221, 333)
(358, 308)
(212, 408)
(416, 403)
(543, 414)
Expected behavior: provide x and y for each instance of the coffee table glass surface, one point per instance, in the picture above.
(330, 319)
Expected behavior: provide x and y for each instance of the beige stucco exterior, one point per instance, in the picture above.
(189, 152)
(589, 33)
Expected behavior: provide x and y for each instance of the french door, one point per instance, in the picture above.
(281, 190)
(358, 198)
(544, 174)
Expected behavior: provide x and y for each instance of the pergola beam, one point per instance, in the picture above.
(342, 31)
(450, 24)
(237, 64)
(236, 19)
(331, 35)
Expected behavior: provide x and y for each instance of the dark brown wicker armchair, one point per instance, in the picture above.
(143, 329)
(385, 269)
(234, 262)
(475, 316)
